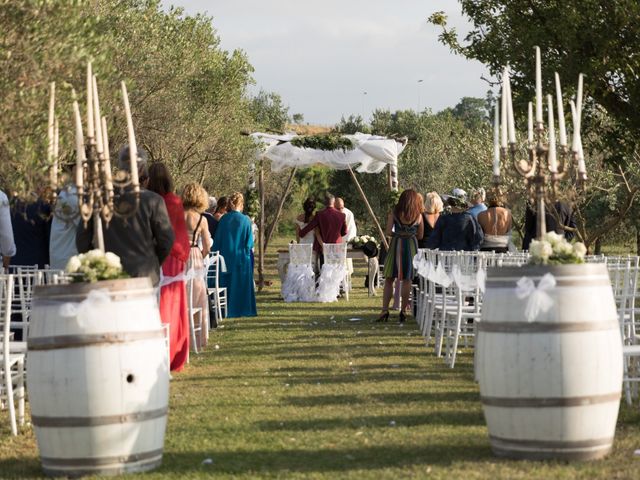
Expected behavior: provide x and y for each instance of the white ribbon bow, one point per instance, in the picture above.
(539, 299)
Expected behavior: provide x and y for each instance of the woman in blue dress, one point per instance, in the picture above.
(405, 227)
(234, 241)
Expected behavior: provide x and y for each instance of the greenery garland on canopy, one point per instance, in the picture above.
(323, 142)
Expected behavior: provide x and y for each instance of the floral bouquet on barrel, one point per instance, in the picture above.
(359, 242)
(95, 265)
(554, 249)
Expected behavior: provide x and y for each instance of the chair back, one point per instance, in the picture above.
(300, 253)
(335, 253)
(213, 271)
(6, 300)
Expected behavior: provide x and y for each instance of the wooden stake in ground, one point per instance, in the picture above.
(383, 238)
(273, 224)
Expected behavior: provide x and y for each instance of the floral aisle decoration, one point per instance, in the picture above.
(554, 249)
(359, 242)
(94, 266)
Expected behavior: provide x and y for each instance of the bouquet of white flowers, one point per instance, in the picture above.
(95, 265)
(553, 249)
(358, 242)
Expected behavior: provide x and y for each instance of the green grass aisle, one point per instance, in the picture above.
(307, 391)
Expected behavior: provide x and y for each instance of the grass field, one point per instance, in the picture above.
(320, 391)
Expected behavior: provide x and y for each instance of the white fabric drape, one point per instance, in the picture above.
(299, 284)
(331, 277)
(371, 153)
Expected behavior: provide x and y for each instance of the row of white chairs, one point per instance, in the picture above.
(450, 293)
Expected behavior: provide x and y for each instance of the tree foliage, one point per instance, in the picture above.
(188, 95)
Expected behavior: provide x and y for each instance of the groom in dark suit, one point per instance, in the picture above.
(331, 224)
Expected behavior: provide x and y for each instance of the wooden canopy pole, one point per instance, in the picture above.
(366, 202)
(261, 228)
(273, 224)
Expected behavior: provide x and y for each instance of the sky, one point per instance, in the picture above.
(339, 57)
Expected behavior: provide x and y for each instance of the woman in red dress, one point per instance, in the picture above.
(173, 296)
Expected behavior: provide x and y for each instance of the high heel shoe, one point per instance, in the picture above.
(403, 317)
(383, 318)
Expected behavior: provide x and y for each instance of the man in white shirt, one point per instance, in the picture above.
(351, 228)
(7, 243)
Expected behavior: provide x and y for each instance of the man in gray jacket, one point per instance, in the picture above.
(142, 240)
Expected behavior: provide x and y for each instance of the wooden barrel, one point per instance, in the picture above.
(98, 377)
(550, 388)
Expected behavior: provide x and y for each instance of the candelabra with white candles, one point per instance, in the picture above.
(548, 160)
(93, 180)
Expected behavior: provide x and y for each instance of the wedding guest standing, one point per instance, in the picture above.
(559, 218)
(405, 227)
(212, 223)
(496, 224)
(477, 200)
(234, 241)
(143, 240)
(7, 244)
(173, 295)
(457, 231)
(433, 207)
(352, 230)
(195, 201)
(62, 241)
(221, 209)
(31, 221)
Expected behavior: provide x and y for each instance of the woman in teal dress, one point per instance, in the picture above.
(234, 241)
(405, 228)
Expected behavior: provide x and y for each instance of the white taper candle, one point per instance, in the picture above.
(538, 87)
(496, 141)
(511, 125)
(561, 125)
(503, 111)
(90, 129)
(50, 135)
(133, 149)
(80, 153)
(107, 157)
(553, 162)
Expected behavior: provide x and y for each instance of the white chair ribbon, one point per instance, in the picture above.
(538, 298)
(481, 279)
(464, 282)
(192, 273)
(421, 265)
(441, 277)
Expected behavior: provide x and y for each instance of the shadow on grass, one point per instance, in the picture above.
(392, 398)
(453, 417)
(267, 462)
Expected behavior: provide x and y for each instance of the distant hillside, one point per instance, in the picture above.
(308, 129)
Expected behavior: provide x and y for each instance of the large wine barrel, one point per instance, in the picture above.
(98, 377)
(550, 388)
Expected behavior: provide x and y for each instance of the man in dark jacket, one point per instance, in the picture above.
(458, 230)
(144, 239)
(558, 218)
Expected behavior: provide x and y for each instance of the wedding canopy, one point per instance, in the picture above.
(370, 153)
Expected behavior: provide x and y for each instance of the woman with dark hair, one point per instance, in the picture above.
(302, 220)
(496, 224)
(173, 298)
(404, 228)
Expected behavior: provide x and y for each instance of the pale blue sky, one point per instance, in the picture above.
(322, 56)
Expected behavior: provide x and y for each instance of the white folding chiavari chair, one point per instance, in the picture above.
(299, 284)
(12, 375)
(334, 272)
(216, 293)
(196, 317)
(468, 275)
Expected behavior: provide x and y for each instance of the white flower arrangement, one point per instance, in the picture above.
(358, 242)
(554, 249)
(95, 265)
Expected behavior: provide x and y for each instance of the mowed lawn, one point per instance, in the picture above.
(320, 391)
